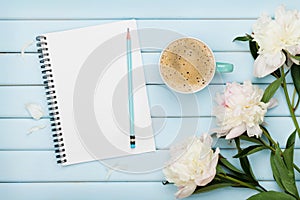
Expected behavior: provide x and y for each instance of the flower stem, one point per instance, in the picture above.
(270, 138)
(289, 102)
(293, 97)
(268, 146)
(247, 185)
(275, 144)
(297, 168)
(297, 104)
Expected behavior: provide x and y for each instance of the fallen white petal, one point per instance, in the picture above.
(28, 44)
(36, 128)
(35, 110)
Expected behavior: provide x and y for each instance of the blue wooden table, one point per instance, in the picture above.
(28, 168)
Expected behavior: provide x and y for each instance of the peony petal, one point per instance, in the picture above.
(36, 128)
(261, 68)
(254, 131)
(185, 191)
(206, 178)
(272, 103)
(206, 139)
(35, 110)
(220, 131)
(236, 132)
(293, 49)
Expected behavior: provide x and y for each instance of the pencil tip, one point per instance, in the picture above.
(128, 34)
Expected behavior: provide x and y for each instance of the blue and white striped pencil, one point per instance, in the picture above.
(130, 92)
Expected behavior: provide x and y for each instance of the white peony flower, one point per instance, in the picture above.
(240, 109)
(193, 163)
(274, 36)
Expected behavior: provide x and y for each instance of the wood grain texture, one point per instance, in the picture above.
(18, 9)
(118, 190)
(163, 102)
(28, 68)
(29, 169)
(207, 30)
(40, 166)
(14, 132)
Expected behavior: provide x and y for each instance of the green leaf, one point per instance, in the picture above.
(288, 154)
(212, 187)
(271, 89)
(250, 139)
(228, 165)
(296, 57)
(295, 70)
(243, 38)
(272, 195)
(275, 171)
(220, 170)
(253, 49)
(249, 150)
(291, 140)
(287, 178)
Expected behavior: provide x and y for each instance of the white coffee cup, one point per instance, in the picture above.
(187, 65)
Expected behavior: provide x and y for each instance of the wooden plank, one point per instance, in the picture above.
(14, 132)
(117, 190)
(174, 104)
(18, 9)
(17, 69)
(28, 69)
(28, 166)
(208, 30)
(242, 61)
(163, 101)
(16, 98)
(112, 191)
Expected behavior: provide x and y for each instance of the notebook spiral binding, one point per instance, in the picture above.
(51, 99)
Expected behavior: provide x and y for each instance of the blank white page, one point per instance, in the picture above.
(89, 67)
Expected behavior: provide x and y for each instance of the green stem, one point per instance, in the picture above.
(297, 104)
(247, 185)
(297, 168)
(269, 138)
(293, 97)
(289, 102)
(268, 146)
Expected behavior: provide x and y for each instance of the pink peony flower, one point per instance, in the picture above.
(240, 109)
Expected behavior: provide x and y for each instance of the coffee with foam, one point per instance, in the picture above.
(187, 65)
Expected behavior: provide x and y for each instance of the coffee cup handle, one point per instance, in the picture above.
(224, 67)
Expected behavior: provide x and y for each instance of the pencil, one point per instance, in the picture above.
(130, 92)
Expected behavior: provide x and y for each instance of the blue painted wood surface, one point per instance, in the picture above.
(28, 169)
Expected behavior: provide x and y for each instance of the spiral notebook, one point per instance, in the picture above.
(84, 72)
